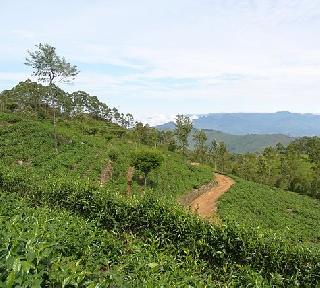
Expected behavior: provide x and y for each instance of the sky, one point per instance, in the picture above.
(158, 58)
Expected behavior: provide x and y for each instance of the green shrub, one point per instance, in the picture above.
(147, 160)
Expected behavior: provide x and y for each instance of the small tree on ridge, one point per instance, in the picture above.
(50, 68)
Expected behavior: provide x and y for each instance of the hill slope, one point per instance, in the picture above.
(85, 147)
(53, 247)
(147, 240)
(293, 216)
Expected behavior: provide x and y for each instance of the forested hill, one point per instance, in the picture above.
(292, 124)
(239, 143)
(249, 142)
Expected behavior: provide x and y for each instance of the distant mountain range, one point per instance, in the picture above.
(286, 123)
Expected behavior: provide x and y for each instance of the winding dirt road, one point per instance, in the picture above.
(205, 204)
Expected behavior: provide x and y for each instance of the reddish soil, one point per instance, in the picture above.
(205, 204)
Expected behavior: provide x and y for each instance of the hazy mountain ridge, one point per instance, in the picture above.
(287, 123)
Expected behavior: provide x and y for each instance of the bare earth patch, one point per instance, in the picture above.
(206, 204)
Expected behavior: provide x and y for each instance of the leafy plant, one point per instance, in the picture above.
(146, 161)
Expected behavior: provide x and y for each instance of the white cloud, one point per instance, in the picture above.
(12, 76)
(186, 56)
(156, 119)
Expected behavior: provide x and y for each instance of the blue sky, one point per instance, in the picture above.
(159, 58)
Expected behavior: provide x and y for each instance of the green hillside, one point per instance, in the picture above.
(249, 142)
(49, 201)
(290, 215)
(86, 146)
(51, 247)
(91, 197)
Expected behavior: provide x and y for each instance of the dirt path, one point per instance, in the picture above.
(205, 204)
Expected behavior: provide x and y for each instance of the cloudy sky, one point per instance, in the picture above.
(157, 58)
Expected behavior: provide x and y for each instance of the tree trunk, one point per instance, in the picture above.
(129, 181)
(54, 118)
(145, 180)
(55, 130)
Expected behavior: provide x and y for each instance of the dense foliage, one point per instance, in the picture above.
(223, 248)
(33, 98)
(146, 161)
(295, 168)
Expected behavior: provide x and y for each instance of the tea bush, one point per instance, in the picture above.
(293, 216)
(42, 247)
(275, 259)
(167, 241)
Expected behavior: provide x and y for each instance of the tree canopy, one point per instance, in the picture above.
(183, 129)
(48, 66)
(147, 160)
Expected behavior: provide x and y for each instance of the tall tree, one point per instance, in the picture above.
(50, 68)
(140, 132)
(200, 138)
(183, 129)
(212, 150)
(222, 154)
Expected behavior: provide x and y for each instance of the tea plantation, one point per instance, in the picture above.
(294, 216)
(61, 228)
